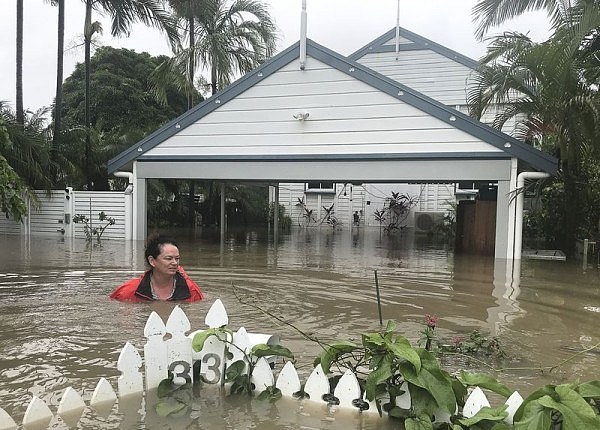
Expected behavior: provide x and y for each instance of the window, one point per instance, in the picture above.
(320, 187)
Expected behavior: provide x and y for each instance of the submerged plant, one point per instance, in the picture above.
(91, 231)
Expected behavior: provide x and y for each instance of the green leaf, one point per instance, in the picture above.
(435, 382)
(484, 381)
(390, 327)
(460, 391)
(270, 393)
(576, 412)
(589, 390)
(398, 412)
(421, 423)
(402, 349)
(486, 414)
(169, 407)
(422, 402)
(264, 350)
(166, 387)
(334, 351)
(234, 370)
(372, 340)
(534, 417)
(546, 390)
(381, 374)
(200, 338)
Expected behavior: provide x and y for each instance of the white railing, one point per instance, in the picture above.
(177, 356)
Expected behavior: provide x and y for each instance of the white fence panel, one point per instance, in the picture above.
(91, 203)
(48, 218)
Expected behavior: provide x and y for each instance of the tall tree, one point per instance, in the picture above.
(549, 88)
(123, 14)
(59, 72)
(233, 39)
(490, 13)
(19, 80)
(125, 109)
(186, 10)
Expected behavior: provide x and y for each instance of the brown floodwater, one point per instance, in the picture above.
(58, 328)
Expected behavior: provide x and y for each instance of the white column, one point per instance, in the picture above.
(139, 205)
(276, 214)
(222, 211)
(519, 208)
(505, 214)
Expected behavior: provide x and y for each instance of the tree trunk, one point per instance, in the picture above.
(213, 78)
(572, 210)
(59, 74)
(191, 62)
(19, 86)
(87, 35)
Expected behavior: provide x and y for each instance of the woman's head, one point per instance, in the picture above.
(154, 246)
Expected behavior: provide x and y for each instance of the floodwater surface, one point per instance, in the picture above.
(58, 328)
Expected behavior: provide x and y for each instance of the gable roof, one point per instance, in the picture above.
(510, 146)
(417, 43)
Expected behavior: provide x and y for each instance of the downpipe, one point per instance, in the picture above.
(520, 198)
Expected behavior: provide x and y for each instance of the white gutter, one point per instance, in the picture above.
(303, 36)
(518, 243)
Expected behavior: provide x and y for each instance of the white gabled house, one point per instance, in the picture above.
(333, 121)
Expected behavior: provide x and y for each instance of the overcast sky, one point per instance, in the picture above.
(341, 25)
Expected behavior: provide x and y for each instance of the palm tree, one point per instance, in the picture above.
(19, 77)
(547, 87)
(123, 14)
(59, 72)
(233, 39)
(490, 13)
(185, 11)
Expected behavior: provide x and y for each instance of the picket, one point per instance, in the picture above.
(347, 389)
(71, 407)
(288, 381)
(156, 359)
(38, 415)
(317, 384)
(103, 397)
(179, 347)
(176, 355)
(131, 380)
(6, 421)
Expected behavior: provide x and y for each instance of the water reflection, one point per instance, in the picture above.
(58, 327)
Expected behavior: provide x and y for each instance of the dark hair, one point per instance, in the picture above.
(155, 243)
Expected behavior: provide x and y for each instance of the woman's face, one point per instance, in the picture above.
(167, 262)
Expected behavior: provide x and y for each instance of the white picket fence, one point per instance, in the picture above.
(177, 356)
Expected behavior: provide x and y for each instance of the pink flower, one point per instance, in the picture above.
(431, 320)
(456, 341)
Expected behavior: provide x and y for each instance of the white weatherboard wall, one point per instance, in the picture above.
(426, 71)
(346, 116)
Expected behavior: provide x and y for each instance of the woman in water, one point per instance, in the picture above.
(164, 280)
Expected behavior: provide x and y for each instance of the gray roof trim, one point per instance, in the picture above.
(509, 145)
(194, 114)
(332, 157)
(419, 42)
(454, 118)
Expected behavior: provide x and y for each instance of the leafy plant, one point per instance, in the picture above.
(476, 344)
(91, 231)
(392, 217)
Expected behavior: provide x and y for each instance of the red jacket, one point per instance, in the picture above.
(138, 289)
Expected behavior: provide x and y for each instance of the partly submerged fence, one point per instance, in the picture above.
(53, 213)
(176, 355)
